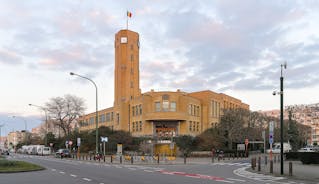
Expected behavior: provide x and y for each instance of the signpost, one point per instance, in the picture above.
(78, 143)
(271, 137)
(246, 145)
(104, 140)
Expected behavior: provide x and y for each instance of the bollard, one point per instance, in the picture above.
(111, 158)
(132, 160)
(271, 166)
(158, 159)
(184, 159)
(290, 168)
(266, 160)
(103, 158)
(259, 163)
(121, 159)
(212, 158)
(90, 157)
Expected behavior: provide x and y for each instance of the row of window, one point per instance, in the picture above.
(165, 106)
(103, 118)
(193, 110)
(137, 126)
(137, 110)
(215, 112)
(194, 126)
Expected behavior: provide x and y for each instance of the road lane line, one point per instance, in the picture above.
(233, 179)
(73, 175)
(53, 169)
(225, 181)
(86, 179)
(148, 171)
(62, 172)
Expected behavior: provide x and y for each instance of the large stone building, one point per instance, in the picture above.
(155, 114)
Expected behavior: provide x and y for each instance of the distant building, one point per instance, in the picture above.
(155, 114)
(14, 138)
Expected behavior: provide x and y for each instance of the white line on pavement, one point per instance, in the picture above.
(86, 179)
(62, 172)
(233, 179)
(132, 169)
(148, 171)
(53, 169)
(73, 175)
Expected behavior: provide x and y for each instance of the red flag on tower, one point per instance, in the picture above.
(129, 14)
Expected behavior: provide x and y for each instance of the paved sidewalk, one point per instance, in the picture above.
(299, 170)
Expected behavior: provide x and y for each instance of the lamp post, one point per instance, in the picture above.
(281, 117)
(96, 110)
(25, 126)
(46, 122)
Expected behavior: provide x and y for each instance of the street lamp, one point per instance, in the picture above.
(96, 110)
(281, 117)
(25, 126)
(46, 122)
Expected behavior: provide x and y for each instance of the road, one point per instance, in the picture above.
(66, 171)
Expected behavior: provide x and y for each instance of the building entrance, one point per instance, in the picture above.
(166, 129)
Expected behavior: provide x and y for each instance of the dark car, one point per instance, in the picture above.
(63, 153)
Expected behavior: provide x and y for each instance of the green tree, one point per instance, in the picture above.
(186, 144)
(210, 139)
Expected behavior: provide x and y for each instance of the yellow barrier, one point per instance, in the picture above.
(127, 157)
(171, 158)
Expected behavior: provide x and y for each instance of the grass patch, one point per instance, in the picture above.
(9, 166)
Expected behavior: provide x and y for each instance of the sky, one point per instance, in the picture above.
(231, 47)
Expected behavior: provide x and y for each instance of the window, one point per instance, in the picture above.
(108, 117)
(140, 125)
(157, 106)
(102, 118)
(190, 109)
(132, 57)
(197, 128)
(197, 111)
(118, 118)
(140, 107)
(165, 106)
(173, 106)
(133, 110)
(112, 116)
(136, 110)
(190, 126)
(133, 126)
(91, 121)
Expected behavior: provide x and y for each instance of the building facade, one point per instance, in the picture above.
(155, 113)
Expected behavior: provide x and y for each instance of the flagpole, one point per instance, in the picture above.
(126, 20)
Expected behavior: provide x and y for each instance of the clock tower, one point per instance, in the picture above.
(126, 79)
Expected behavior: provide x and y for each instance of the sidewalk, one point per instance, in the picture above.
(299, 170)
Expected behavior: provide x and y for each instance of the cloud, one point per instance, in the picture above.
(9, 57)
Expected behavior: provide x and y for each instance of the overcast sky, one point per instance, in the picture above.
(232, 47)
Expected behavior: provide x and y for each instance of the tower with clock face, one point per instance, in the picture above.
(126, 74)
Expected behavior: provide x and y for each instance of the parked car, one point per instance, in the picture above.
(63, 153)
(309, 149)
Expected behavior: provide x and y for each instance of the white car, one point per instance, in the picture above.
(276, 148)
(308, 149)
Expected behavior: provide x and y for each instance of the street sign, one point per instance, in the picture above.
(104, 139)
(271, 138)
(271, 126)
(240, 147)
(78, 141)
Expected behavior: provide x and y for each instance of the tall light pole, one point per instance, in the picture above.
(282, 118)
(96, 110)
(46, 122)
(25, 126)
(282, 66)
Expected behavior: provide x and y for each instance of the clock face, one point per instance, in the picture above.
(123, 39)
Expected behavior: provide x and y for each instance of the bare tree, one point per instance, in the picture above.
(232, 125)
(65, 110)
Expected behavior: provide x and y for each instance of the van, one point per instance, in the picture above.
(276, 147)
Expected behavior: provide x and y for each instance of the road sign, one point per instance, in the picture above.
(104, 139)
(240, 147)
(271, 138)
(271, 126)
(78, 141)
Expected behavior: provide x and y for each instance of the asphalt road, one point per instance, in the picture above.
(65, 171)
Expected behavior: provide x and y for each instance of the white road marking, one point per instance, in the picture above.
(86, 179)
(62, 172)
(148, 171)
(132, 169)
(73, 175)
(225, 181)
(233, 179)
(53, 169)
